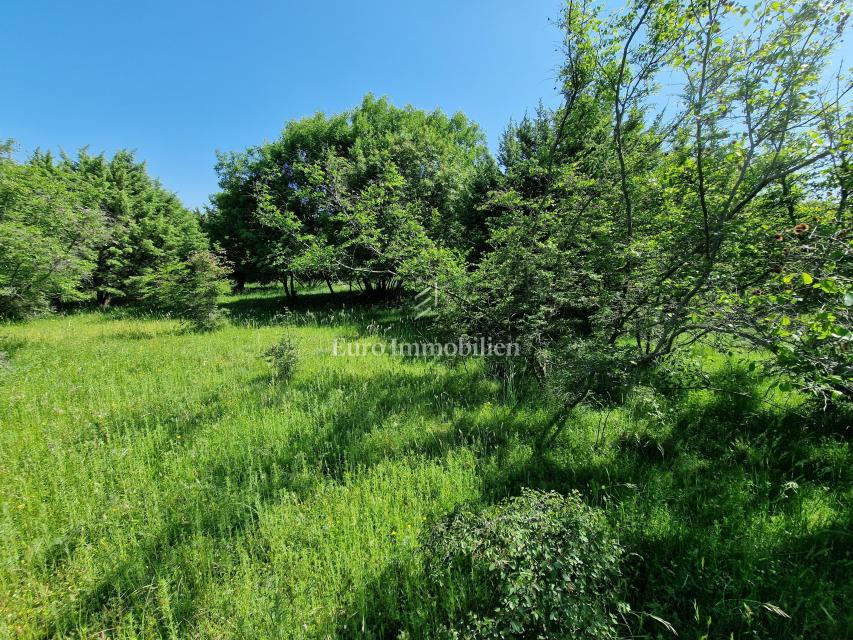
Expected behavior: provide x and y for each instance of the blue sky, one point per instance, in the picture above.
(178, 80)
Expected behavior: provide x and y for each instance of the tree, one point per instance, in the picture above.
(48, 236)
(315, 199)
(86, 227)
(187, 290)
(619, 235)
(147, 226)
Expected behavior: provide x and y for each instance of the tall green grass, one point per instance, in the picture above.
(160, 483)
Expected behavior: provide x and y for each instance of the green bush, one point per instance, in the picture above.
(188, 290)
(540, 565)
(283, 357)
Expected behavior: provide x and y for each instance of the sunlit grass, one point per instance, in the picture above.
(160, 483)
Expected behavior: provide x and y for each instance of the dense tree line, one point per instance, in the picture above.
(89, 228)
(628, 223)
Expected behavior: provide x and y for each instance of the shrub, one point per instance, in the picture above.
(283, 358)
(188, 290)
(541, 565)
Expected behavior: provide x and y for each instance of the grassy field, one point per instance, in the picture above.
(160, 483)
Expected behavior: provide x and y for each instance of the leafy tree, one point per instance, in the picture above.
(331, 198)
(48, 236)
(231, 223)
(148, 227)
(626, 234)
(84, 227)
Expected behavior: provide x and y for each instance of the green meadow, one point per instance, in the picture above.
(157, 482)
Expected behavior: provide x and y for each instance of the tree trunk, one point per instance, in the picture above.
(788, 200)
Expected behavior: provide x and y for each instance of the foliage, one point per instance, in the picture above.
(85, 227)
(354, 196)
(147, 227)
(283, 357)
(802, 313)
(611, 224)
(48, 238)
(540, 565)
(613, 228)
(187, 290)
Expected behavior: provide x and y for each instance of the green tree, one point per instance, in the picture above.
(619, 235)
(49, 235)
(187, 289)
(315, 199)
(147, 226)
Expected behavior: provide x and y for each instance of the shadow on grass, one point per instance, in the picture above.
(141, 335)
(271, 308)
(10, 345)
(335, 444)
(700, 506)
(687, 498)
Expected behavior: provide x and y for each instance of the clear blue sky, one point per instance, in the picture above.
(178, 80)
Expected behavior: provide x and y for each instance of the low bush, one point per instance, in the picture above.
(188, 290)
(283, 357)
(540, 565)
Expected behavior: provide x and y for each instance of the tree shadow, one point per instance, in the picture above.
(337, 442)
(173, 418)
(11, 345)
(688, 501)
(272, 310)
(126, 587)
(140, 335)
(443, 400)
(723, 463)
(390, 604)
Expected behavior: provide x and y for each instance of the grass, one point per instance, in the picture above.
(159, 483)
